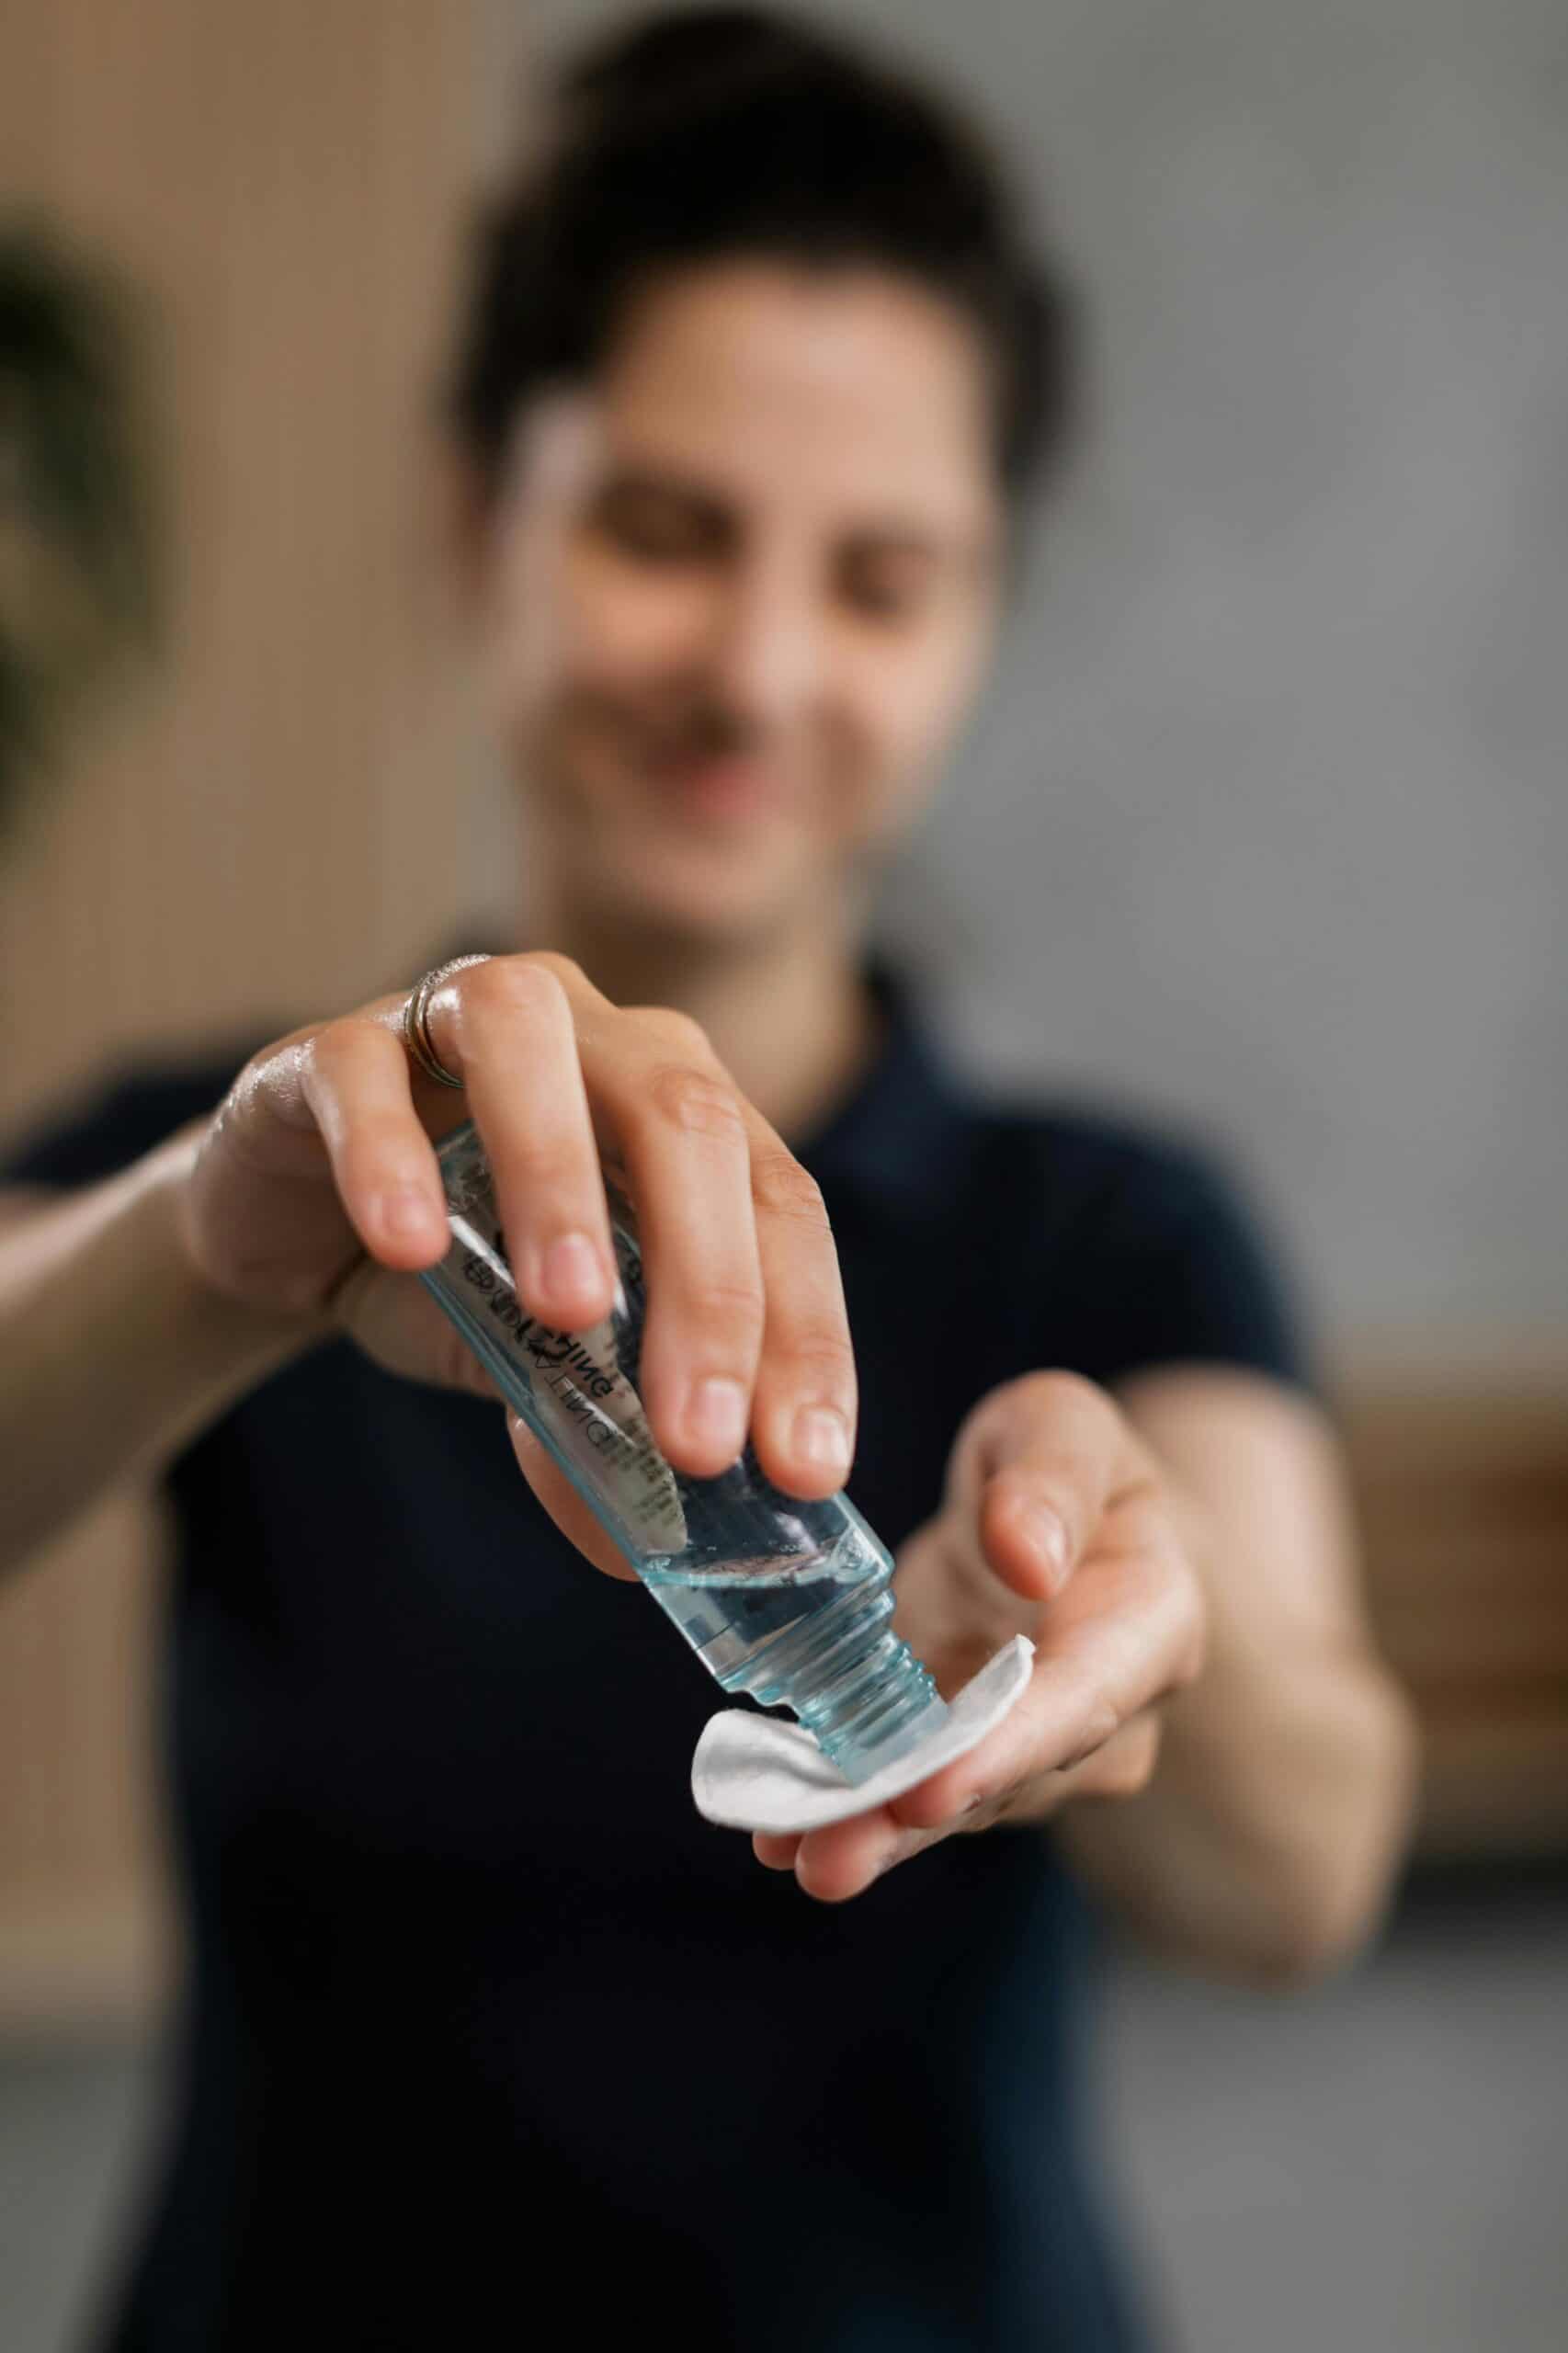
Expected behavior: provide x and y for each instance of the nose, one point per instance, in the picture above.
(767, 648)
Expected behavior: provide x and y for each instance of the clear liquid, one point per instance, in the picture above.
(813, 1635)
(725, 1606)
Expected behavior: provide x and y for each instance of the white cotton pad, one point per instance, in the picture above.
(752, 1772)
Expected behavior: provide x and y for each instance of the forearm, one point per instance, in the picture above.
(1264, 1844)
(113, 1351)
(1265, 1841)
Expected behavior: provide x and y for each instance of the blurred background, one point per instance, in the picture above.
(1263, 823)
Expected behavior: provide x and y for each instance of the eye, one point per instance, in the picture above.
(886, 584)
(657, 526)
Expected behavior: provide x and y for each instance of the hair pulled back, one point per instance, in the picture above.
(723, 131)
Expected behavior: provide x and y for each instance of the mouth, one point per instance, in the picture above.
(728, 786)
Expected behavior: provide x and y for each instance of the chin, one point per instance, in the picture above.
(718, 895)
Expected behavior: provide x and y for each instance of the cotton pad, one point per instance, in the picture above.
(752, 1772)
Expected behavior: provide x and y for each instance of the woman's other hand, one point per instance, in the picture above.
(1055, 1524)
(1207, 1720)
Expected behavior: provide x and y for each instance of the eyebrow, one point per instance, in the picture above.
(968, 551)
(653, 481)
(900, 539)
(891, 533)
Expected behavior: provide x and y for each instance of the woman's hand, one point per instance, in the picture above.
(316, 1184)
(1054, 1524)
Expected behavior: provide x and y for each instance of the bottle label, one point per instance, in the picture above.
(587, 1408)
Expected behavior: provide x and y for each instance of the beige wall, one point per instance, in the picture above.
(249, 834)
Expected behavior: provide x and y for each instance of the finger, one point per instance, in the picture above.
(806, 1407)
(688, 1159)
(798, 1366)
(354, 1082)
(1124, 1766)
(844, 1858)
(776, 1849)
(1126, 1631)
(508, 1028)
(1120, 1769)
(403, 1328)
(573, 1518)
(804, 1404)
(1034, 1469)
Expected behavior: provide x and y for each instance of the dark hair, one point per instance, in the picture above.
(716, 132)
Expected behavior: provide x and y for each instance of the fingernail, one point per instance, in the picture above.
(717, 1414)
(1046, 1533)
(405, 1212)
(571, 1266)
(821, 1439)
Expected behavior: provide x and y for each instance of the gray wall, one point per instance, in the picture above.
(1264, 823)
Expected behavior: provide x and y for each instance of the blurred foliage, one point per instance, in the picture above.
(78, 585)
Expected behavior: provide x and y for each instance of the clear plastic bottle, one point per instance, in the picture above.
(779, 1596)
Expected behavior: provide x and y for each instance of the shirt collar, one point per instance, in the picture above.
(897, 1139)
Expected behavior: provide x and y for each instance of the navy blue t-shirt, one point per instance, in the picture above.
(484, 2025)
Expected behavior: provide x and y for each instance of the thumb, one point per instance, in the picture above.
(565, 1505)
(1032, 1471)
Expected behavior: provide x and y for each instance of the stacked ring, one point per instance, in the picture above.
(417, 1019)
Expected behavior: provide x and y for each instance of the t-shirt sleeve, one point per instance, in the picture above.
(1180, 1265)
(110, 1120)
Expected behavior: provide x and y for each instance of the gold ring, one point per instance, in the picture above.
(417, 1019)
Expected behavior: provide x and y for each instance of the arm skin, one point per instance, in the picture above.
(113, 1351)
(1264, 1841)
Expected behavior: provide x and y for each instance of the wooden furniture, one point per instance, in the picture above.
(1462, 1490)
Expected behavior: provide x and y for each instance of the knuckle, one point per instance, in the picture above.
(332, 1039)
(1059, 1392)
(292, 1043)
(275, 1089)
(727, 1301)
(674, 1028)
(505, 985)
(696, 1101)
(1099, 1727)
(334, 1048)
(564, 970)
(823, 1349)
(784, 1189)
(1128, 1764)
(995, 1808)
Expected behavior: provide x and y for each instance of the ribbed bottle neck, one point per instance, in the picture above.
(856, 1685)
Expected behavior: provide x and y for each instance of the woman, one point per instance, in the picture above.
(484, 2025)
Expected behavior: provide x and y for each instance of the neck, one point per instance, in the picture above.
(786, 1011)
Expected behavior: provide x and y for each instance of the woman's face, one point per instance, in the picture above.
(736, 592)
